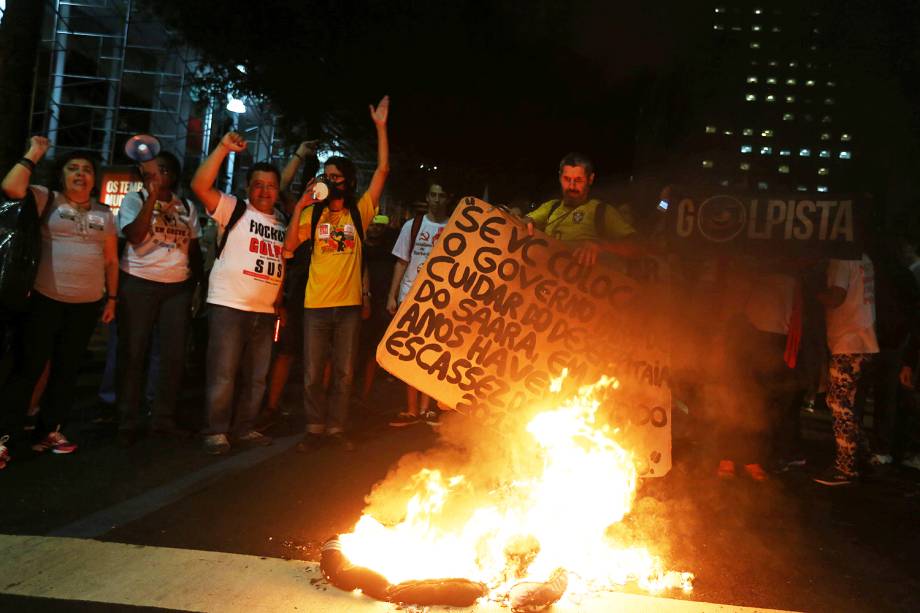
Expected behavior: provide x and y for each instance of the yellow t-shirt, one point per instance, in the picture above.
(577, 224)
(335, 268)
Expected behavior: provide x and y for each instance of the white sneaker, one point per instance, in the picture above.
(254, 438)
(881, 459)
(216, 444)
(912, 462)
(4, 452)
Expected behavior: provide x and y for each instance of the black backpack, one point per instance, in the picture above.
(20, 249)
(298, 266)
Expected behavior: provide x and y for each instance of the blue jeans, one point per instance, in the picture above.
(146, 308)
(239, 342)
(336, 329)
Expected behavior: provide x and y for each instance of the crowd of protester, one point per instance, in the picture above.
(315, 277)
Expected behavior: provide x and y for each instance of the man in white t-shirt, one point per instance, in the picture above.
(850, 302)
(243, 296)
(416, 240)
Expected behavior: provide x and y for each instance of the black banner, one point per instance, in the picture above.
(825, 225)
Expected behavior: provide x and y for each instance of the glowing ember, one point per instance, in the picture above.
(570, 481)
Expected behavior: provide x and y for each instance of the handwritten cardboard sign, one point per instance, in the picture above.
(495, 314)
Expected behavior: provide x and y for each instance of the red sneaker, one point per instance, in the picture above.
(4, 452)
(56, 442)
(726, 469)
(756, 472)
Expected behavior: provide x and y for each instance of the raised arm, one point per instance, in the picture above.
(16, 182)
(206, 175)
(305, 154)
(296, 233)
(379, 114)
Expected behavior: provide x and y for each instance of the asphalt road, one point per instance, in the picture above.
(784, 544)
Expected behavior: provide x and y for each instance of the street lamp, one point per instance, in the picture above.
(236, 107)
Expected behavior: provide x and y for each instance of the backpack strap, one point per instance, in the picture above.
(416, 227)
(238, 211)
(600, 220)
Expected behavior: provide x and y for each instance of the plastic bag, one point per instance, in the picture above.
(20, 249)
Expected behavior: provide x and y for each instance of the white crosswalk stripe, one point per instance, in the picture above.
(190, 580)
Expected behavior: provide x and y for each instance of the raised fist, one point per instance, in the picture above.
(234, 142)
(39, 145)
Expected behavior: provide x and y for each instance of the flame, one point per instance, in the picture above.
(570, 483)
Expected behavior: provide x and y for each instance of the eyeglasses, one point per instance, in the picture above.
(334, 177)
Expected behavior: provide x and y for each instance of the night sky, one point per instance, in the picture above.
(493, 91)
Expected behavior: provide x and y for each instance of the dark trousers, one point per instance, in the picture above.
(52, 331)
(759, 416)
(332, 330)
(144, 306)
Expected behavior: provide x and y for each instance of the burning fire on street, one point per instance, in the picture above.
(528, 532)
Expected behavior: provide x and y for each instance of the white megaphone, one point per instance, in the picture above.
(142, 147)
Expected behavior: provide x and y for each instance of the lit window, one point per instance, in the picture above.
(802, 188)
(814, 47)
(773, 63)
(758, 11)
(745, 148)
(724, 182)
(748, 132)
(720, 9)
(744, 166)
(752, 79)
(728, 133)
(788, 117)
(826, 119)
(823, 172)
(809, 83)
(766, 150)
(718, 26)
(845, 155)
(816, 30)
(822, 188)
(771, 80)
(785, 152)
(736, 28)
(755, 28)
(770, 98)
(824, 153)
(790, 81)
(776, 28)
(708, 164)
(750, 97)
(790, 99)
(828, 101)
(804, 153)
(845, 137)
(793, 64)
(767, 133)
(710, 129)
(755, 45)
(831, 84)
(825, 136)
(762, 185)
(784, 169)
